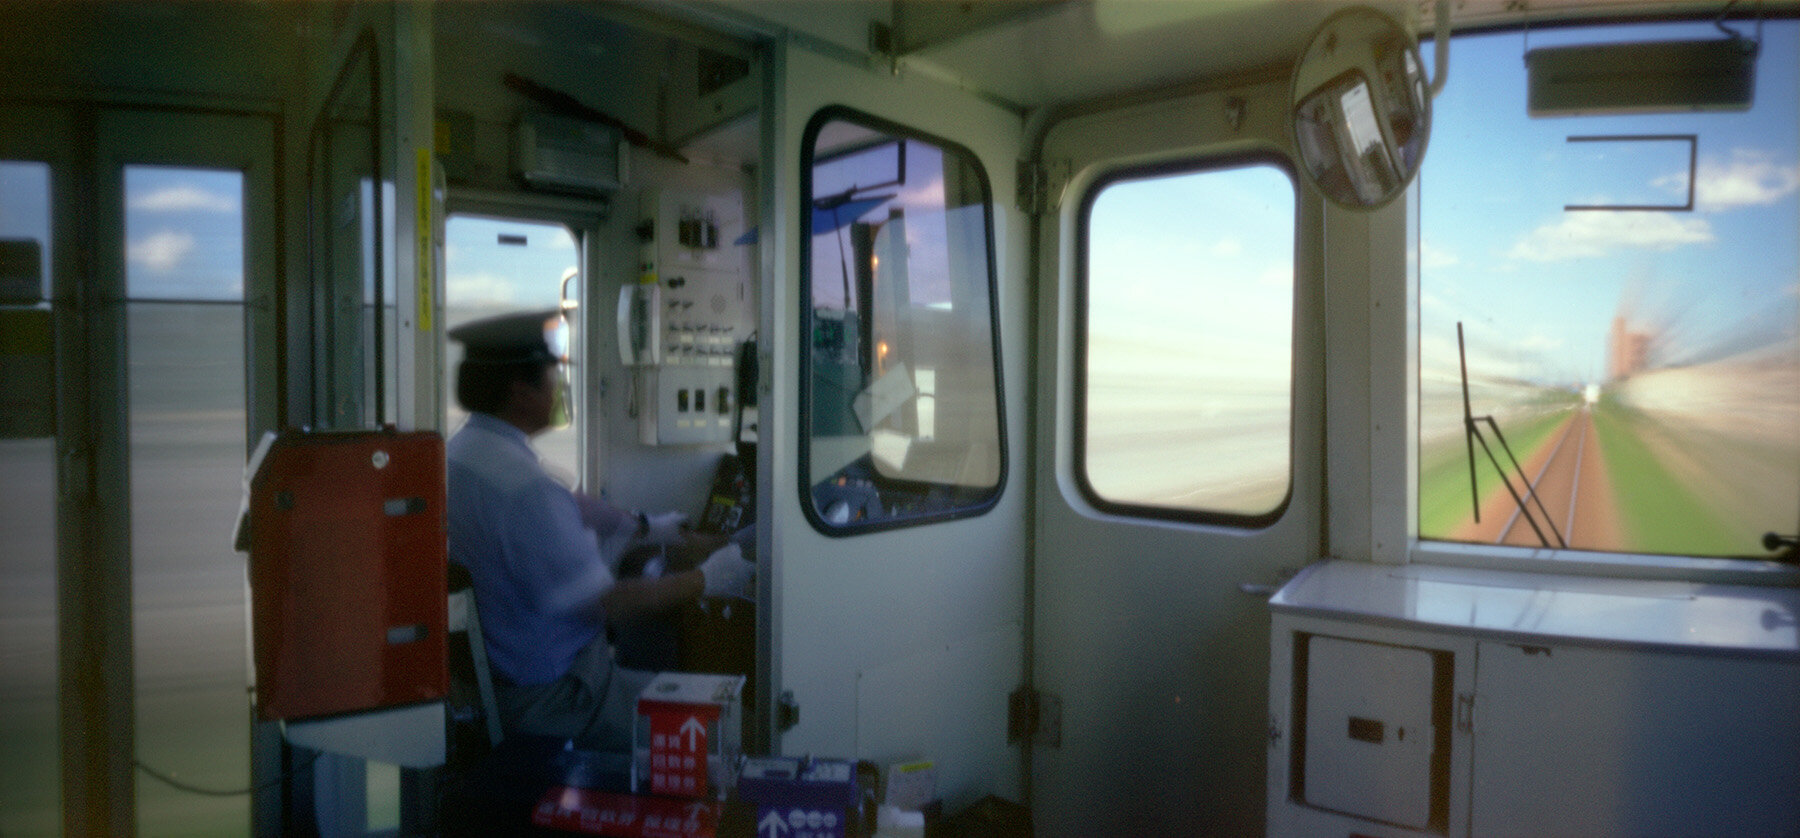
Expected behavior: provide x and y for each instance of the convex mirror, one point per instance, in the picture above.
(1361, 108)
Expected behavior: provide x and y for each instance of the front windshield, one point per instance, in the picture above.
(1641, 364)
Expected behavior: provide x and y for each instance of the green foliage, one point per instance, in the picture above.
(1658, 512)
(1444, 472)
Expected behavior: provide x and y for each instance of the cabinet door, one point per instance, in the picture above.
(1367, 730)
(1580, 741)
(1375, 719)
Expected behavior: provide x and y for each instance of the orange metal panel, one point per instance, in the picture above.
(347, 582)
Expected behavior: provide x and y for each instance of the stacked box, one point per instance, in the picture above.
(799, 797)
(688, 735)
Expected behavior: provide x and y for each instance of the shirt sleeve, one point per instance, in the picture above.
(605, 518)
(550, 547)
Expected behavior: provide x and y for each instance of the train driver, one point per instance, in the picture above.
(544, 587)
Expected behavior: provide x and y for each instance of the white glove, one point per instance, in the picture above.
(727, 572)
(665, 528)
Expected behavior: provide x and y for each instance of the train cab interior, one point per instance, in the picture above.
(1147, 417)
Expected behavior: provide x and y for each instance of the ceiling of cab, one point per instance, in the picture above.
(1025, 53)
(1036, 53)
(222, 50)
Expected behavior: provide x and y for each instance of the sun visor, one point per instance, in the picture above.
(1650, 77)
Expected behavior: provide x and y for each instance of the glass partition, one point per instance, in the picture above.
(184, 278)
(30, 795)
(901, 395)
(1186, 313)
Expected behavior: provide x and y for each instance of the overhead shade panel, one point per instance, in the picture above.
(1649, 77)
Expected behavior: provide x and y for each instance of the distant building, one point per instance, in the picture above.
(1626, 351)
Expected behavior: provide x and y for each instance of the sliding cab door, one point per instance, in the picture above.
(363, 318)
(891, 454)
(136, 360)
(36, 182)
(1180, 373)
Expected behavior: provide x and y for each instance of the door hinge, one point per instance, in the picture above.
(1034, 716)
(1465, 712)
(1040, 185)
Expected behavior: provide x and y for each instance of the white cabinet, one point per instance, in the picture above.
(1572, 740)
(1531, 706)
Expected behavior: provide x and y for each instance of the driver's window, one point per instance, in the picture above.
(497, 265)
(902, 398)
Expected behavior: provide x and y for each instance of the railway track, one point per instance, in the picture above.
(1571, 500)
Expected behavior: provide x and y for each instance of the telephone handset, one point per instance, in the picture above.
(639, 333)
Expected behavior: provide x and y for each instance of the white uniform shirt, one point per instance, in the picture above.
(537, 570)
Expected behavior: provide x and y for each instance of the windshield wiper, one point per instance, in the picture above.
(1472, 433)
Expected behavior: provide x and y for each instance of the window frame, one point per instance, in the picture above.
(1079, 362)
(808, 144)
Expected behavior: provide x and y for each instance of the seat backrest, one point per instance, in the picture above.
(471, 684)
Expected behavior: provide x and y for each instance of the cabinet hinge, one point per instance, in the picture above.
(1040, 185)
(1035, 716)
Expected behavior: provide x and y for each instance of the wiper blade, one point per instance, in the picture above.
(1472, 434)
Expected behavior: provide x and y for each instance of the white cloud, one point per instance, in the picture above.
(1227, 247)
(162, 251)
(1587, 234)
(1540, 343)
(1436, 257)
(181, 198)
(1750, 179)
(479, 289)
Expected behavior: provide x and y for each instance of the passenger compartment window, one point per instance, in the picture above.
(901, 400)
(1186, 308)
(1625, 286)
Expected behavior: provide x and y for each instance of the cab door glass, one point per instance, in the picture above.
(1186, 321)
(496, 265)
(901, 400)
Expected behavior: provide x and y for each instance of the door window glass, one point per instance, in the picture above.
(902, 389)
(1187, 312)
(184, 275)
(1638, 359)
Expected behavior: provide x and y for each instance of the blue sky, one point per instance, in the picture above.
(184, 233)
(524, 271)
(1536, 286)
